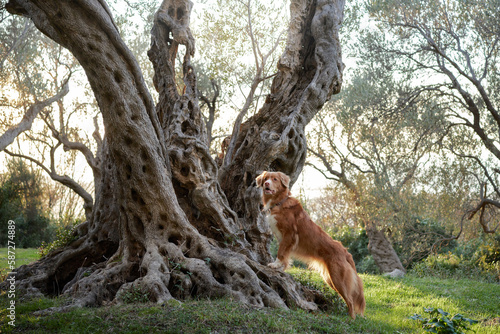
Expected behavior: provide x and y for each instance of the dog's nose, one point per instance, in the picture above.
(266, 183)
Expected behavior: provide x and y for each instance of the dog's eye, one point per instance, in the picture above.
(275, 179)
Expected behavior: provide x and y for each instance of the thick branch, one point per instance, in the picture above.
(481, 206)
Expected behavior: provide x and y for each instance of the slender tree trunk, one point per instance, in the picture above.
(161, 221)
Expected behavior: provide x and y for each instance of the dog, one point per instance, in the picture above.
(299, 237)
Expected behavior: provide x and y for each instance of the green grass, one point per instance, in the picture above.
(22, 256)
(390, 303)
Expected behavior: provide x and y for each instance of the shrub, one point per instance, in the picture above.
(22, 200)
(64, 236)
(451, 265)
(367, 266)
(440, 322)
(489, 250)
(33, 231)
(417, 238)
(356, 241)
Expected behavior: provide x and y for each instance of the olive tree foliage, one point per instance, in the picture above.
(452, 47)
(165, 219)
(239, 44)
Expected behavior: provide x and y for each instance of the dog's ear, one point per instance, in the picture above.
(260, 179)
(285, 179)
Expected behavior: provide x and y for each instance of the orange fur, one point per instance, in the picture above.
(299, 237)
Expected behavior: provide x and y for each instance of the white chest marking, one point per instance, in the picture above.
(272, 224)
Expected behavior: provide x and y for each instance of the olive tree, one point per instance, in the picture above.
(452, 49)
(165, 219)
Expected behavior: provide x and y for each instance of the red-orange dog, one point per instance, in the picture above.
(301, 238)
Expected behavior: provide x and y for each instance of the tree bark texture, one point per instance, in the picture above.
(161, 222)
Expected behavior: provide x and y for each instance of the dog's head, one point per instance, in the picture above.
(273, 183)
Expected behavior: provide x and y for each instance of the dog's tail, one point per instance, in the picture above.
(359, 296)
(357, 290)
(346, 282)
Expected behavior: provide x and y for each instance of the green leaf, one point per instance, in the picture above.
(442, 312)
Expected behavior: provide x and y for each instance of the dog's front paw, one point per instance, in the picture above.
(276, 265)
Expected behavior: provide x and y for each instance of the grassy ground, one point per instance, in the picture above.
(389, 304)
(22, 256)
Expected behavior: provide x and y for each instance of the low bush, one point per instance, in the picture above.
(451, 265)
(356, 241)
(416, 238)
(64, 236)
(367, 265)
(441, 322)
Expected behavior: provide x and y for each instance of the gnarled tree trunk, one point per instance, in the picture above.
(162, 222)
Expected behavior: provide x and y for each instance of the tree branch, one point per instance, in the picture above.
(63, 179)
(78, 146)
(259, 69)
(11, 134)
(482, 205)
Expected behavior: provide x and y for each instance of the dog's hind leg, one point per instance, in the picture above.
(340, 279)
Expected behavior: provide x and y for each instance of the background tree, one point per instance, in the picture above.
(387, 138)
(375, 149)
(22, 200)
(161, 219)
(452, 48)
(35, 77)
